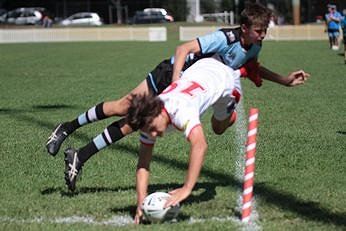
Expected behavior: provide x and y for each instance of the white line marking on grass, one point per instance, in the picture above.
(120, 220)
(113, 221)
(240, 141)
(193, 220)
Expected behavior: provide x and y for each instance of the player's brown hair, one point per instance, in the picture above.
(143, 109)
(255, 14)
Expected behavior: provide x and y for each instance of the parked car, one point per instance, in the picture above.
(2, 11)
(24, 16)
(152, 15)
(168, 17)
(83, 19)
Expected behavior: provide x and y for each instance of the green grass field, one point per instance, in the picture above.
(300, 164)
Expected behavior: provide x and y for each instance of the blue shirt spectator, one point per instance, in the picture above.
(333, 18)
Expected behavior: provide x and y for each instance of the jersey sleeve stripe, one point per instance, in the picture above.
(197, 125)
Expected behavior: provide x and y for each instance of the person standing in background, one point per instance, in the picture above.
(333, 18)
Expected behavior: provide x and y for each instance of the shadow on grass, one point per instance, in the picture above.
(307, 209)
(83, 190)
(36, 108)
(208, 193)
(53, 106)
(131, 210)
(341, 132)
(209, 190)
(302, 208)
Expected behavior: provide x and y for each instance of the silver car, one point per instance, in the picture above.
(23, 16)
(82, 19)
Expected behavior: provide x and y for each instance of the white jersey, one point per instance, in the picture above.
(207, 83)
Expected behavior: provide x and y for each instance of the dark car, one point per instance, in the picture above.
(151, 15)
(2, 11)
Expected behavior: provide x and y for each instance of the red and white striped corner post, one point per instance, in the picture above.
(249, 164)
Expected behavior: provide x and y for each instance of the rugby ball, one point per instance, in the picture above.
(153, 208)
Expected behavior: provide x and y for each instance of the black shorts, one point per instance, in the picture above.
(160, 78)
(333, 30)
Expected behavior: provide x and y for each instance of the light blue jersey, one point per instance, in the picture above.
(226, 43)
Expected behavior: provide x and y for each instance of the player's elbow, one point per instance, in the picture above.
(188, 47)
(203, 146)
(181, 49)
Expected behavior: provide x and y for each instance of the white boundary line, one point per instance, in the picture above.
(117, 221)
(240, 142)
(113, 221)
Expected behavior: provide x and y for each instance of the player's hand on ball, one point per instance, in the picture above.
(177, 196)
(139, 215)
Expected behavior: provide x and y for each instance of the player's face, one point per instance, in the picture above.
(254, 34)
(157, 127)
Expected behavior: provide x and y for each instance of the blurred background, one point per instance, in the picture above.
(132, 11)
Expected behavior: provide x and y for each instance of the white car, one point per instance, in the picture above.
(82, 19)
(24, 16)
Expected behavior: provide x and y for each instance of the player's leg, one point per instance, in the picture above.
(75, 158)
(62, 130)
(220, 126)
(155, 83)
(114, 131)
(224, 114)
(99, 112)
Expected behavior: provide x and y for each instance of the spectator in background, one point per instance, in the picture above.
(47, 22)
(281, 19)
(333, 18)
(271, 21)
(343, 27)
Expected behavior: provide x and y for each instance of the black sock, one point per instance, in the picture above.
(95, 113)
(110, 135)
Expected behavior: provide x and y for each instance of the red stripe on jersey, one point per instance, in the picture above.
(197, 125)
(165, 110)
(170, 121)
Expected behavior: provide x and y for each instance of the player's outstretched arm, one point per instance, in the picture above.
(293, 79)
(142, 178)
(180, 56)
(198, 149)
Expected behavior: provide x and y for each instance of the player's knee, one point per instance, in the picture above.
(116, 107)
(217, 126)
(108, 108)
